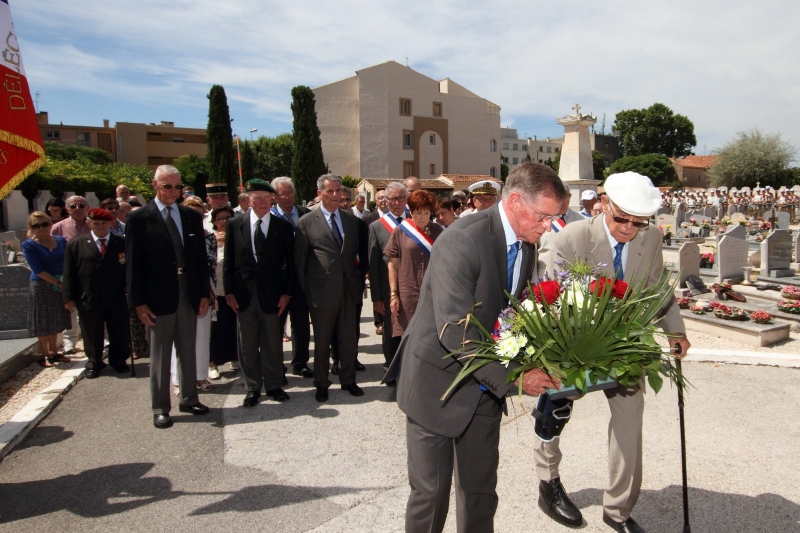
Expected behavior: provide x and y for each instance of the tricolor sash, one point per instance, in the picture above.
(389, 221)
(558, 224)
(424, 241)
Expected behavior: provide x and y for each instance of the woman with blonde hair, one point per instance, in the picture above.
(47, 316)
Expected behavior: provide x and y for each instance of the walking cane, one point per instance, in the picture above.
(686, 527)
(130, 348)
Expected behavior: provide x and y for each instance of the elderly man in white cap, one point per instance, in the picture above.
(588, 199)
(623, 239)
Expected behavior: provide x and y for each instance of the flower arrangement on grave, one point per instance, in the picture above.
(693, 222)
(764, 225)
(789, 306)
(666, 230)
(705, 225)
(707, 260)
(760, 317)
(743, 222)
(725, 291)
(726, 221)
(684, 225)
(580, 327)
(698, 309)
(728, 312)
(683, 302)
(790, 292)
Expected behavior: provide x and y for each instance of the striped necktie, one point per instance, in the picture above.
(513, 250)
(618, 271)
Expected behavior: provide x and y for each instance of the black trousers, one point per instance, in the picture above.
(301, 329)
(92, 327)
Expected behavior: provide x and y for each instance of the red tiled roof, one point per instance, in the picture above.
(426, 184)
(469, 178)
(696, 161)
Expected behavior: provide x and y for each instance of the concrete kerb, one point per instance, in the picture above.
(743, 357)
(13, 431)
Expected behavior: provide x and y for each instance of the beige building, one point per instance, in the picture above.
(444, 185)
(389, 121)
(515, 150)
(692, 170)
(130, 142)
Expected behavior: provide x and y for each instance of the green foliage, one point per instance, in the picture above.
(59, 152)
(752, 157)
(598, 164)
(308, 163)
(655, 166)
(248, 161)
(528, 158)
(503, 172)
(221, 157)
(555, 162)
(194, 172)
(273, 156)
(349, 181)
(655, 130)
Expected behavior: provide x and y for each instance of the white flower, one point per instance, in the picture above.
(527, 305)
(577, 294)
(530, 350)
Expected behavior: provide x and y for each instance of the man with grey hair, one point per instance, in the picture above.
(71, 228)
(475, 261)
(325, 251)
(286, 209)
(360, 209)
(380, 208)
(379, 233)
(244, 203)
(168, 286)
(412, 184)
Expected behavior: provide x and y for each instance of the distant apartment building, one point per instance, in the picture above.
(130, 142)
(390, 122)
(515, 150)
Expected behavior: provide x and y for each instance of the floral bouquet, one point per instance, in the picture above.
(684, 302)
(727, 312)
(726, 221)
(693, 222)
(764, 225)
(705, 225)
(580, 327)
(707, 260)
(760, 317)
(743, 222)
(790, 292)
(789, 306)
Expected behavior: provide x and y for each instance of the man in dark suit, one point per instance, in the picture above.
(325, 250)
(258, 274)
(298, 307)
(168, 285)
(474, 262)
(380, 208)
(94, 284)
(379, 233)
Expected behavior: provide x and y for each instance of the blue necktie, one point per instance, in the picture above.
(337, 236)
(618, 260)
(513, 250)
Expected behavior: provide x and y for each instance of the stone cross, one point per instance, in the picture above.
(577, 109)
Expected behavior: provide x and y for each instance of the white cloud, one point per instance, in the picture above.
(727, 67)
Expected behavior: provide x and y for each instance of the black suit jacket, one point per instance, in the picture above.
(268, 279)
(152, 268)
(92, 281)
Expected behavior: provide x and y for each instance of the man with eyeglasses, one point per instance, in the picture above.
(168, 286)
(379, 233)
(380, 208)
(623, 240)
(475, 261)
(298, 306)
(71, 228)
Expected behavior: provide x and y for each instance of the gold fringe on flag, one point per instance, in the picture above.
(25, 144)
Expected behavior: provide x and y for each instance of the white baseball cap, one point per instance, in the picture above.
(588, 195)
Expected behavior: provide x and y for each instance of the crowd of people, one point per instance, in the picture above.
(195, 285)
(746, 201)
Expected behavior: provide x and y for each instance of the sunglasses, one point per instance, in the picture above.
(40, 225)
(77, 206)
(623, 221)
(168, 186)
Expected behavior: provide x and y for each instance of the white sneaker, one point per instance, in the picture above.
(235, 365)
(213, 372)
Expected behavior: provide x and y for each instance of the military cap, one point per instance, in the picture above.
(485, 187)
(216, 188)
(96, 213)
(257, 184)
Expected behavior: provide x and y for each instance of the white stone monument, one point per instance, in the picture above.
(576, 169)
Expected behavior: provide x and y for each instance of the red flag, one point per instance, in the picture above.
(21, 151)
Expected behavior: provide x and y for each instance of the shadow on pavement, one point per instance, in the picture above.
(43, 436)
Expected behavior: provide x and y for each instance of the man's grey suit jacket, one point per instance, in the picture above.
(467, 272)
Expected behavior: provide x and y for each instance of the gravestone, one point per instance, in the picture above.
(688, 262)
(683, 233)
(680, 212)
(700, 218)
(731, 258)
(663, 211)
(667, 220)
(731, 209)
(91, 200)
(15, 211)
(14, 283)
(782, 216)
(710, 211)
(734, 231)
(776, 255)
(40, 201)
(11, 240)
(737, 217)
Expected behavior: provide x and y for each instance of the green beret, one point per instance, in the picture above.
(257, 184)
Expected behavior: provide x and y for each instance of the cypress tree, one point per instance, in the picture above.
(221, 156)
(248, 162)
(308, 163)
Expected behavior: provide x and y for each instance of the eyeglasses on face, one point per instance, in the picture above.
(168, 186)
(77, 206)
(540, 218)
(623, 221)
(43, 224)
(286, 194)
(221, 218)
(394, 199)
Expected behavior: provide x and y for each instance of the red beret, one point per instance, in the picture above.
(96, 213)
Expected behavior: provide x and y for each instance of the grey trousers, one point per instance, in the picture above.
(474, 455)
(624, 452)
(178, 328)
(344, 321)
(261, 356)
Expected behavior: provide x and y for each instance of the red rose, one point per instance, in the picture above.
(549, 290)
(600, 285)
(619, 289)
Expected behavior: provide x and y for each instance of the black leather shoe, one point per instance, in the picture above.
(303, 372)
(628, 526)
(391, 383)
(121, 368)
(284, 381)
(555, 503)
(162, 421)
(353, 389)
(92, 374)
(322, 394)
(335, 368)
(251, 399)
(196, 409)
(278, 395)
(359, 366)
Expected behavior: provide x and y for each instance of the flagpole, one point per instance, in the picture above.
(239, 157)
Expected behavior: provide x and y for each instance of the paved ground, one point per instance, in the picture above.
(97, 464)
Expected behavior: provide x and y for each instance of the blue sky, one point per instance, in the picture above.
(727, 65)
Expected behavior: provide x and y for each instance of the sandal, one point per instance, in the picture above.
(205, 386)
(46, 362)
(176, 390)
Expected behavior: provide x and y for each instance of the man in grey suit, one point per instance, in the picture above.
(473, 264)
(325, 250)
(622, 239)
(379, 233)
